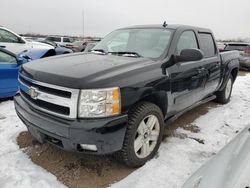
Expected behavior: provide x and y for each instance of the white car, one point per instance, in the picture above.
(17, 44)
(230, 168)
(63, 41)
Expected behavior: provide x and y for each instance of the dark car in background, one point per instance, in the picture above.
(244, 49)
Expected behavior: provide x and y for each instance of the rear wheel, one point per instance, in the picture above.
(224, 96)
(143, 135)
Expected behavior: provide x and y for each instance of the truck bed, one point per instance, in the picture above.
(229, 56)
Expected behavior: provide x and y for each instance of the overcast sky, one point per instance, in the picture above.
(227, 18)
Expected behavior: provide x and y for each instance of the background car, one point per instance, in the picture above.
(81, 45)
(244, 49)
(58, 48)
(230, 168)
(17, 44)
(9, 66)
(62, 41)
(221, 46)
(90, 46)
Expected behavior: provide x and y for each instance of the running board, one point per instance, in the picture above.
(173, 118)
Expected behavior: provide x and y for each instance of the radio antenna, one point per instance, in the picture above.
(165, 24)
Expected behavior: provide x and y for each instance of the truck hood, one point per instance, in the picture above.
(88, 70)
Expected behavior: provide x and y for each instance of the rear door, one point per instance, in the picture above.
(8, 75)
(188, 81)
(211, 62)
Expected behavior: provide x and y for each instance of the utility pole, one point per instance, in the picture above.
(83, 24)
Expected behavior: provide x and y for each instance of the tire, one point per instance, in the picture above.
(145, 130)
(224, 96)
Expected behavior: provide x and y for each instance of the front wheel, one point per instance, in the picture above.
(143, 136)
(224, 96)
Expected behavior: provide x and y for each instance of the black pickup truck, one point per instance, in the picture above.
(118, 98)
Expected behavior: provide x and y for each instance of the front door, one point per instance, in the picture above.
(188, 81)
(8, 75)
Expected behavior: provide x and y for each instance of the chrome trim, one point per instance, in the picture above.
(71, 102)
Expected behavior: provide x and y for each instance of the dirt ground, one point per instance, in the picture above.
(80, 171)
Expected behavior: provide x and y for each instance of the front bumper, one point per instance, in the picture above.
(107, 133)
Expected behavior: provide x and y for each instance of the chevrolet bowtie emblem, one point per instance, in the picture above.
(33, 93)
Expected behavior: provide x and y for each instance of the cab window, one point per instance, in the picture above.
(207, 45)
(187, 40)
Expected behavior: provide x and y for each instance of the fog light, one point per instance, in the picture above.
(88, 147)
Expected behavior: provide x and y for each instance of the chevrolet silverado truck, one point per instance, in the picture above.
(118, 98)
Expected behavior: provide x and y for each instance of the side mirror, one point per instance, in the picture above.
(21, 60)
(190, 55)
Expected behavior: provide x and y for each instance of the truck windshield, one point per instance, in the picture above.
(149, 43)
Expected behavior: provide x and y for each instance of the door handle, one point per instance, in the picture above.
(217, 65)
(2, 46)
(200, 73)
(201, 70)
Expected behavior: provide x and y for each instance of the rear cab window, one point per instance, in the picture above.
(207, 45)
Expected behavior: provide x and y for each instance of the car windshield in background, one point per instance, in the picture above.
(54, 39)
(239, 47)
(150, 43)
(70, 40)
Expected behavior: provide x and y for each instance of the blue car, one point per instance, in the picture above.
(9, 66)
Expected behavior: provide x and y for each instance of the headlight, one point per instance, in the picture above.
(99, 103)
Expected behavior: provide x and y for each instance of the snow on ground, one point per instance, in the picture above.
(16, 169)
(179, 158)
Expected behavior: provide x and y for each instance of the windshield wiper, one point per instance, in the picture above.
(126, 54)
(99, 51)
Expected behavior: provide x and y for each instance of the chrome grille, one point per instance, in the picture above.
(52, 99)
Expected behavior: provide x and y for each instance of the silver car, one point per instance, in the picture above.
(230, 168)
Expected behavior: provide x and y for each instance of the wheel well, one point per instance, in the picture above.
(158, 99)
(234, 73)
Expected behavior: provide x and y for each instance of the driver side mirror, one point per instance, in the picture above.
(189, 55)
(21, 60)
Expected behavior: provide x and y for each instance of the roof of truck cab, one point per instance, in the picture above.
(169, 26)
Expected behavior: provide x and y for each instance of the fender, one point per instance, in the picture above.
(150, 94)
(230, 67)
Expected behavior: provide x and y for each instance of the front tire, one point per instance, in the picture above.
(224, 96)
(143, 135)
